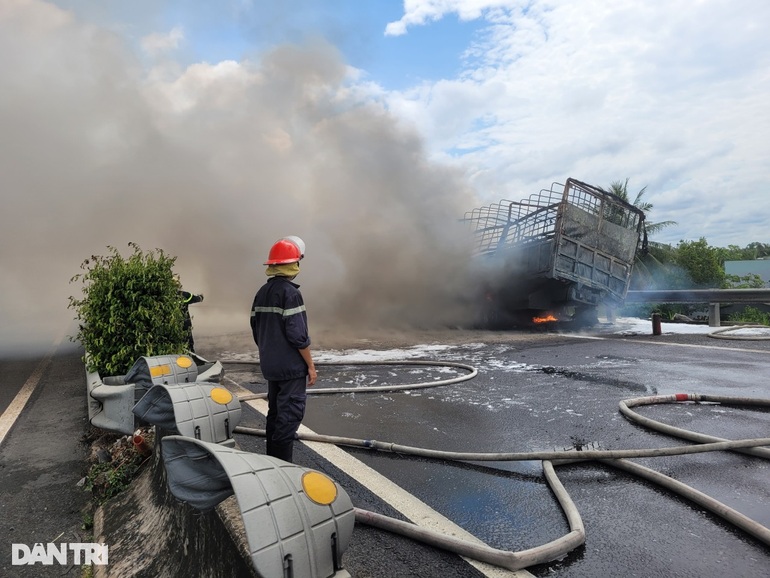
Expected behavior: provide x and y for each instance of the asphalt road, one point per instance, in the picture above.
(556, 391)
(42, 458)
(534, 391)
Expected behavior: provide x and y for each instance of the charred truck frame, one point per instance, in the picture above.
(557, 255)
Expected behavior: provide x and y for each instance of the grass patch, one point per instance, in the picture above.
(751, 315)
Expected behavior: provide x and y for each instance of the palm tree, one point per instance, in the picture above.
(646, 264)
(620, 189)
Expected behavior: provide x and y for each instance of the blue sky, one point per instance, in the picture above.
(237, 30)
(376, 120)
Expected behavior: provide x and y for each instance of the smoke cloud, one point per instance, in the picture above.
(212, 164)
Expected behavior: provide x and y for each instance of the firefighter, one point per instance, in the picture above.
(280, 330)
(187, 300)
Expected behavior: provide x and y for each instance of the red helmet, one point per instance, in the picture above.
(298, 242)
(282, 252)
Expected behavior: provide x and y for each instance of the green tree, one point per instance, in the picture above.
(620, 189)
(649, 267)
(756, 251)
(131, 307)
(750, 252)
(701, 263)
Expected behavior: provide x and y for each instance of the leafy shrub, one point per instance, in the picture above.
(751, 315)
(748, 281)
(131, 307)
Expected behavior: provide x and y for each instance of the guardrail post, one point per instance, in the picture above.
(714, 316)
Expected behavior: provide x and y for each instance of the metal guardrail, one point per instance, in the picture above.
(699, 296)
(711, 296)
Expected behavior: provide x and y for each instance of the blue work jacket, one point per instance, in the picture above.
(279, 326)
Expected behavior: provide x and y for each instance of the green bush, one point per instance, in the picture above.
(131, 307)
(751, 315)
(748, 281)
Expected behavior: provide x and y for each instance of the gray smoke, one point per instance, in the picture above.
(213, 167)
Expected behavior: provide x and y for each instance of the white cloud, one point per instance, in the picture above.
(673, 95)
(421, 12)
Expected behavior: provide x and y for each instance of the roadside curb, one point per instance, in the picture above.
(150, 533)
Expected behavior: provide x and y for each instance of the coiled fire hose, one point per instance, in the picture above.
(617, 458)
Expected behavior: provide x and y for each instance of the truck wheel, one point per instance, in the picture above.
(586, 317)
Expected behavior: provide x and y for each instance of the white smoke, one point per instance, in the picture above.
(212, 163)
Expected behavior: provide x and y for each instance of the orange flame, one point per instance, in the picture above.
(547, 319)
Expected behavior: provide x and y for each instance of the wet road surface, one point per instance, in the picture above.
(556, 391)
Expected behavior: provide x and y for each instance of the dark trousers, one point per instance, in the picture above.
(286, 408)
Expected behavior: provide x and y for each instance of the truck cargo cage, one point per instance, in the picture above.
(572, 244)
(511, 222)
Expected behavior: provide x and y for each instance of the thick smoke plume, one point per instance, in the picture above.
(212, 164)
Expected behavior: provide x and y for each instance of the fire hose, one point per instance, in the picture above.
(617, 458)
(729, 333)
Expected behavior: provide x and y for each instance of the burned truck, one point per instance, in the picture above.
(556, 256)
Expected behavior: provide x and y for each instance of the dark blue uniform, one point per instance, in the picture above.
(279, 327)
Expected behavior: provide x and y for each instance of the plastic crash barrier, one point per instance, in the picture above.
(111, 399)
(298, 522)
(162, 369)
(197, 410)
